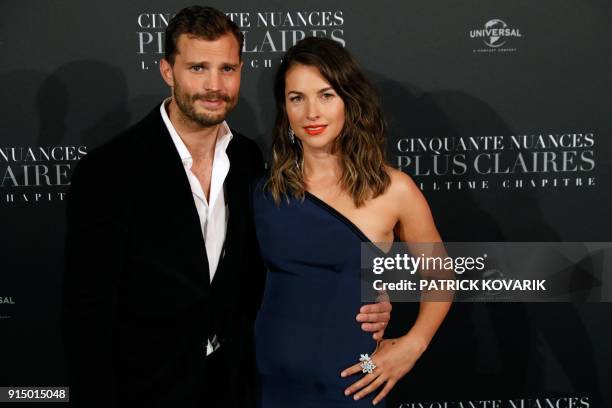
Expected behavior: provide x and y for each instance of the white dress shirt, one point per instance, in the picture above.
(213, 213)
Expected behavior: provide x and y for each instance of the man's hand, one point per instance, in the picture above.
(374, 318)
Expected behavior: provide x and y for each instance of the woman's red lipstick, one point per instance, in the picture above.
(314, 130)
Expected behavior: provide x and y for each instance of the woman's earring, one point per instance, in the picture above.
(291, 135)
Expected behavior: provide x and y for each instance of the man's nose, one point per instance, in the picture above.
(213, 81)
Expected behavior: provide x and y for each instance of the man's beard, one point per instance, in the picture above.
(186, 104)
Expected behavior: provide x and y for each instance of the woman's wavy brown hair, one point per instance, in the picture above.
(361, 142)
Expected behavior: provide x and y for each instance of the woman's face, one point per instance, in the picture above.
(314, 109)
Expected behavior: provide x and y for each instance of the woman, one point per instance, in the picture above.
(329, 189)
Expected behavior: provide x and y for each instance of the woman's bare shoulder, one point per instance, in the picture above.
(402, 186)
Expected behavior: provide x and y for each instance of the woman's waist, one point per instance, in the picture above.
(299, 349)
(341, 335)
(296, 295)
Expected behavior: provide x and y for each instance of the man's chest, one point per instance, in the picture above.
(202, 170)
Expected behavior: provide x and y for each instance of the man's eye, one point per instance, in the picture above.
(197, 68)
(229, 69)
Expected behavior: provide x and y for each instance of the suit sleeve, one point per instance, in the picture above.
(95, 249)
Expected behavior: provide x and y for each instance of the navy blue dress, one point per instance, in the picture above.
(306, 332)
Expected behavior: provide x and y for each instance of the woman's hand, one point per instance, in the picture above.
(394, 358)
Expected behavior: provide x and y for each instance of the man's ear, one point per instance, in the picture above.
(166, 72)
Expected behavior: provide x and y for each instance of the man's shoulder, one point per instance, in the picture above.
(122, 150)
(125, 144)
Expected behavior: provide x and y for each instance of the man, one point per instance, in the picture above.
(163, 275)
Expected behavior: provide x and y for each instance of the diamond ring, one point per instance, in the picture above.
(367, 365)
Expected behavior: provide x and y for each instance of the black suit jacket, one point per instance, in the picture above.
(138, 305)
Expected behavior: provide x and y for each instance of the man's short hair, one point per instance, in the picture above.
(203, 22)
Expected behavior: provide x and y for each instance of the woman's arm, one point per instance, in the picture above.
(416, 225)
(396, 357)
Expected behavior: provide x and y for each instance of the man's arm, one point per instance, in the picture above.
(95, 244)
(258, 271)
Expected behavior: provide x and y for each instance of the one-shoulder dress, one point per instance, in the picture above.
(306, 332)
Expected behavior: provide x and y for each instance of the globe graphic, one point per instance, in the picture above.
(495, 41)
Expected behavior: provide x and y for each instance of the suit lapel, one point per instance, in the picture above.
(233, 234)
(176, 196)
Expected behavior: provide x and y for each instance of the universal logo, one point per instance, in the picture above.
(267, 34)
(6, 300)
(497, 36)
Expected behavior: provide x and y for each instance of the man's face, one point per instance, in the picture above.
(205, 78)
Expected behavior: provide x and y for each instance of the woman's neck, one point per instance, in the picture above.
(321, 169)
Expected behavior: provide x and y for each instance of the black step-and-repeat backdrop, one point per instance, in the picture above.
(499, 110)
